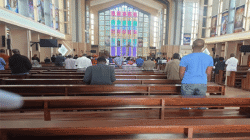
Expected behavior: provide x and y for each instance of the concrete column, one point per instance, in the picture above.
(2, 3)
(45, 51)
(218, 49)
(3, 33)
(20, 39)
(61, 16)
(35, 37)
(231, 48)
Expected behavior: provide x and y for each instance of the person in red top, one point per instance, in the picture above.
(5, 57)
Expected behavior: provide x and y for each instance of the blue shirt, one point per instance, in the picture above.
(2, 63)
(118, 60)
(196, 65)
(139, 62)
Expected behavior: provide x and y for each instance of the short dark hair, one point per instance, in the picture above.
(149, 57)
(101, 59)
(221, 58)
(232, 55)
(176, 56)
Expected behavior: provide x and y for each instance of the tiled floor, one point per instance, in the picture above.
(236, 91)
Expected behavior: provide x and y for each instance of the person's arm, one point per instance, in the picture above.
(209, 71)
(38, 60)
(182, 72)
(88, 75)
(112, 75)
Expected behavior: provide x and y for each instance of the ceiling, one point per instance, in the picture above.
(149, 3)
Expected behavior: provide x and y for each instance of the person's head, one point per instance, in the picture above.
(232, 55)
(198, 44)
(84, 55)
(60, 54)
(221, 59)
(148, 58)
(53, 55)
(69, 56)
(35, 55)
(217, 56)
(176, 56)
(101, 60)
(16, 51)
(47, 57)
(2, 51)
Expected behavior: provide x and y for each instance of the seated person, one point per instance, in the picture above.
(148, 65)
(130, 62)
(19, 64)
(35, 64)
(139, 62)
(59, 60)
(100, 74)
(118, 62)
(220, 65)
(172, 68)
(47, 60)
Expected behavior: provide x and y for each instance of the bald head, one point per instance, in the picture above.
(198, 44)
(16, 51)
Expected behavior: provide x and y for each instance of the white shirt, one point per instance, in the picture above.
(83, 62)
(107, 61)
(70, 63)
(231, 64)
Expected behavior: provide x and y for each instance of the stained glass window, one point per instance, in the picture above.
(122, 34)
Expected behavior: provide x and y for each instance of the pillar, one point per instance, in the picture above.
(20, 39)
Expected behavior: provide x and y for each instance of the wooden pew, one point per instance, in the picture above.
(80, 81)
(119, 89)
(246, 82)
(185, 125)
(220, 78)
(236, 77)
(117, 73)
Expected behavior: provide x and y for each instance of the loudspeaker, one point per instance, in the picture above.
(59, 45)
(213, 49)
(245, 48)
(8, 43)
(74, 50)
(3, 41)
(93, 51)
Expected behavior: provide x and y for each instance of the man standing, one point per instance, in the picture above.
(220, 65)
(59, 60)
(19, 64)
(5, 57)
(216, 59)
(148, 65)
(194, 70)
(139, 62)
(82, 63)
(100, 74)
(70, 63)
(118, 62)
(231, 63)
(172, 68)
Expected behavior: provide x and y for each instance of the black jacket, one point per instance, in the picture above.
(19, 64)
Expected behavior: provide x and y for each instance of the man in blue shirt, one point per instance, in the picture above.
(139, 62)
(118, 62)
(194, 70)
(2, 63)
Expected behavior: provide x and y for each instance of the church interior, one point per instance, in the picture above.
(53, 100)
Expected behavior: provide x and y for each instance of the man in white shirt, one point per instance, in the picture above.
(70, 63)
(231, 63)
(82, 63)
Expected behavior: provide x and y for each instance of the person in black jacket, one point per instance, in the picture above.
(47, 60)
(220, 65)
(19, 64)
(53, 58)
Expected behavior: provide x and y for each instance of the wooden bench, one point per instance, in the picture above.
(117, 89)
(188, 126)
(220, 78)
(80, 81)
(117, 73)
(246, 82)
(234, 80)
